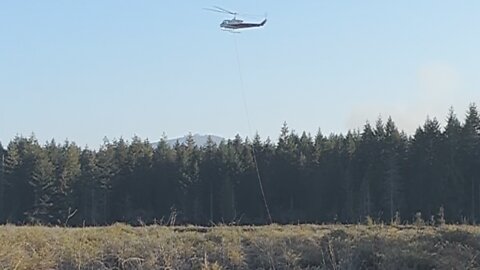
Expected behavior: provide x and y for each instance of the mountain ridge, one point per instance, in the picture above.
(199, 139)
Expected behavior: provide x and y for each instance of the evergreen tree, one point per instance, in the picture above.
(42, 181)
(165, 181)
(455, 197)
(188, 162)
(88, 190)
(107, 169)
(393, 154)
(209, 178)
(287, 180)
(66, 161)
(426, 169)
(365, 167)
(3, 201)
(471, 159)
(11, 175)
(260, 194)
(140, 155)
(348, 185)
(231, 173)
(28, 176)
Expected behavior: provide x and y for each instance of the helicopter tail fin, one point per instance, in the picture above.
(264, 22)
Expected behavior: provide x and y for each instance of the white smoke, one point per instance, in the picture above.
(438, 87)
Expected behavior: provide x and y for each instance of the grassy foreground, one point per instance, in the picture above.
(269, 247)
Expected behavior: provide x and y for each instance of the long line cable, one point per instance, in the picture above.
(242, 88)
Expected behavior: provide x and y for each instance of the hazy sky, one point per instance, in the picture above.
(83, 70)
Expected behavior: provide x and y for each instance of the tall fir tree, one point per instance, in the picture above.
(455, 197)
(42, 182)
(66, 161)
(188, 161)
(471, 159)
(3, 183)
(165, 183)
(88, 190)
(426, 169)
(394, 152)
(107, 169)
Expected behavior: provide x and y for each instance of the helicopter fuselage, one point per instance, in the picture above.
(234, 24)
(239, 24)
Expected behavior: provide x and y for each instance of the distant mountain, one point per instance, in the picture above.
(200, 140)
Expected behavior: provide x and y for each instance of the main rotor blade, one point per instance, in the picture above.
(215, 10)
(225, 10)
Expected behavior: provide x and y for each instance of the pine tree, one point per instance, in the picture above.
(209, 178)
(471, 158)
(263, 181)
(287, 178)
(230, 175)
(364, 164)
(3, 201)
(250, 184)
(107, 169)
(454, 196)
(121, 206)
(12, 162)
(42, 181)
(140, 155)
(348, 185)
(30, 176)
(88, 190)
(426, 171)
(66, 160)
(165, 183)
(394, 151)
(188, 162)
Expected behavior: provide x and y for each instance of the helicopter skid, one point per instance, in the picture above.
(230, 30)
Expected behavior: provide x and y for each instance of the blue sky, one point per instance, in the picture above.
(84, 70)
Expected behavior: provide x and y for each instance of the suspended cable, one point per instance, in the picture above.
(257, 170)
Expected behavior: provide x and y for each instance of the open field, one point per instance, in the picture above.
(269, 247)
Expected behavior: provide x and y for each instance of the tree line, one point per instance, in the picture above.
(378, 172)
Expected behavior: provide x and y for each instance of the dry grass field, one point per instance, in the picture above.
(267, 247)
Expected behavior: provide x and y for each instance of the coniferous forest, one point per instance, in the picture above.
(378, 173)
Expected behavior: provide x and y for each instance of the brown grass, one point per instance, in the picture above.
(268, 247)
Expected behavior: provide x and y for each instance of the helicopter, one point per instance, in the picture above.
(235, 24)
